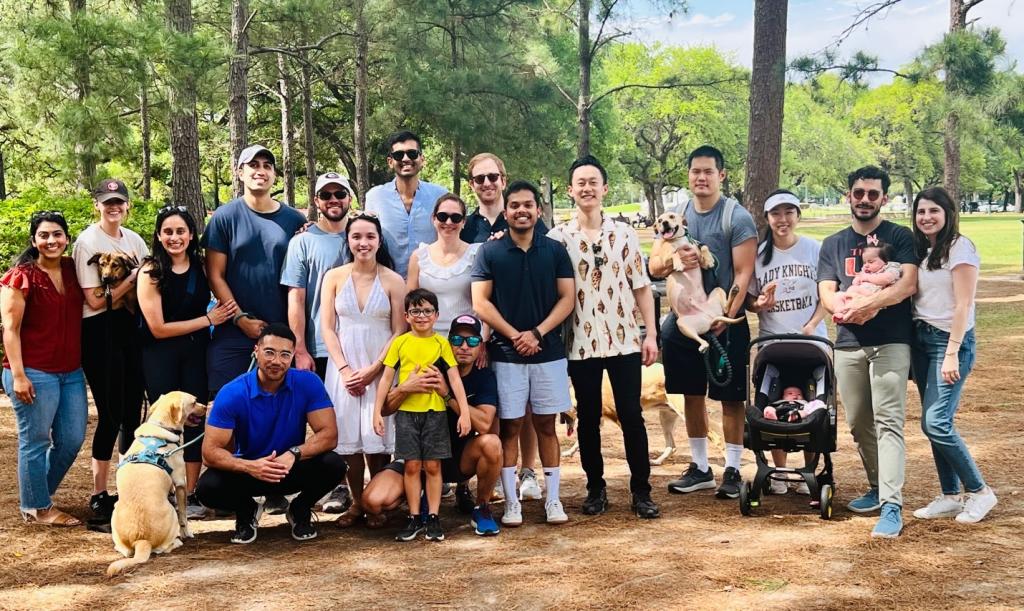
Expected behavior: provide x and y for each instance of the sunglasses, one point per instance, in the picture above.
(480, 178)
(454, 217)
(412, 154)
(327, 195)
(170, 209)
(872, 194)
(47, 215)
(421, 312)
(472, 341)
(362, 214)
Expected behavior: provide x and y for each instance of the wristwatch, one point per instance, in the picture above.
(296, 452)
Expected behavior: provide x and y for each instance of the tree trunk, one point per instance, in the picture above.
(767, 101)
(659, 200)
(951, 133)
(307, 140)
(287, 136)
(215, 191)
(359, 112)
(908, 192)
(82, 81)
(1018, 190)
(238, 88)
(147, 168)
(3, 180)
(583, 101)
(186, 189)
(547, 210)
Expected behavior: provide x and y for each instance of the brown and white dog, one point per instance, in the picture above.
(144, 521)
(696, 310)
(114, 267)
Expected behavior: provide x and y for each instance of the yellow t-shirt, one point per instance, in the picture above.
(409, 351)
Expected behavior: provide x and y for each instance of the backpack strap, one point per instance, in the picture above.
(730, 207)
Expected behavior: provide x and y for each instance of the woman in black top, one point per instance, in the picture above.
(174, 304)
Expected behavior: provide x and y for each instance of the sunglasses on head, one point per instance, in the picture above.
(45, 215)
(327, 195)
(872, 194)
(480, 178)
(170, 209)
(362, 214)
(454, 217)
(472, 341)
(412, 154)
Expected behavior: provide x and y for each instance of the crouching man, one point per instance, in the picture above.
(256, 443)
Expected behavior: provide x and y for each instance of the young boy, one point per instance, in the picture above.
(421, 425)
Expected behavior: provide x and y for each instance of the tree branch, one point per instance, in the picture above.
(668, 85)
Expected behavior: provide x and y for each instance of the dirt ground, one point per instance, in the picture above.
(701, 554)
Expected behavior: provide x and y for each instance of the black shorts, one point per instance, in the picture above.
(685, 372)
(450, 470)
(320, 362)
(422, 436)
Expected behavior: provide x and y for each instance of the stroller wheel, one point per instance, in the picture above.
(825, 506)
(745, 498)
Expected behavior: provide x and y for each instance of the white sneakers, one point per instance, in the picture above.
(556, 515)
(779, 487)
(943, 506)
(513, 514)
(972, 509)
(529, 487)
(802, 488)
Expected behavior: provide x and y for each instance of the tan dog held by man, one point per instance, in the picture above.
(144, 521)
(696, 310)
(113, 268)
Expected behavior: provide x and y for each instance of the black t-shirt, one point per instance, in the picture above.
(478, 229)
(481, 389)
(840, 260)
(182, 297)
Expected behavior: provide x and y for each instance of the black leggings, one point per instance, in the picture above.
(178, 363)
(113, 367)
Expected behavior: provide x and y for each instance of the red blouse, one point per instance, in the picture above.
(51, 328)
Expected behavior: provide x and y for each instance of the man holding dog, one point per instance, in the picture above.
(611, 283)
(728, 230)
(256, 442)
(873, 345)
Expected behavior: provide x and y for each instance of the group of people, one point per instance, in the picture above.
(428, 345)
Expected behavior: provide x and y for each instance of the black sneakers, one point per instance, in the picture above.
(412, 529)
(644, 507)
(434, 531)
(464, 500)
(302, 523)
(246, 526)
(102, 506)
(731, 482)
(276, 504)
(693, 479)
(596, 502)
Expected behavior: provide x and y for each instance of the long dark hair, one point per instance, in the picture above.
(30, 254)
(767, 241)
(383, 256)
(160, 261)
(947, 235)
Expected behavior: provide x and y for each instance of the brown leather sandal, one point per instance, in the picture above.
(349, 518)
(376, 520)
(50, 517)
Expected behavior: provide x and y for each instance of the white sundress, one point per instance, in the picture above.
(451, 285)
(363, 335)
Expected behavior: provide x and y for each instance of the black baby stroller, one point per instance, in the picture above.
(782, 361)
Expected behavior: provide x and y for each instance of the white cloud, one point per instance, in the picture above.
(702, 19)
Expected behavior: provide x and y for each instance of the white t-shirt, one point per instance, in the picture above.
(795, 273)
(94, 240)
(934, 301)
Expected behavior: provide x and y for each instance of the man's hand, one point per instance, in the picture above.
(858, 312)
(287, 459)
(251, 326)
(497, 235)
(303, 360)
(525, 343)
(649, 349)
(425, 380)
(267, 469)
(689, 255)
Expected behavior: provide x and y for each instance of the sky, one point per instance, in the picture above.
(895, 36)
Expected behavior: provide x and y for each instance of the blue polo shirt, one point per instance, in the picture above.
(525, 290)
(405, 231)
(479, 229)
(268, 422)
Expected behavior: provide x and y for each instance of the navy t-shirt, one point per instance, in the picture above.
(263, 422)
(481, 389)
(525, 290)
(255, 244)
(840, 260)
(478, 229)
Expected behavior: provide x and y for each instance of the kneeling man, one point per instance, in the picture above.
(256, 443)
(478, 453)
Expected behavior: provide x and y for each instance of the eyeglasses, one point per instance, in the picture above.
(421, 312)
(599, 260)
(480, 178)
(412, 154)
(454, 217)
(472, 341)
(873, 194)
(327, 195)
(271, 355)
(45, 215)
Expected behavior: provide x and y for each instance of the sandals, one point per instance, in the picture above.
(50, 517)
(376, 520)
(349, 518)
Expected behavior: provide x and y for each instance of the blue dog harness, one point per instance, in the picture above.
(149, 455)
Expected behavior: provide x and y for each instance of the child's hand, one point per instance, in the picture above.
(378, 424)
(465, 425)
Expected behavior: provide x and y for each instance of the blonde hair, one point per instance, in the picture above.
(482, 157)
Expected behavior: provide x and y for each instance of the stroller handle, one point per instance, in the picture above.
(800, 336)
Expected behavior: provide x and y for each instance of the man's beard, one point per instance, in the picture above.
(874, 213)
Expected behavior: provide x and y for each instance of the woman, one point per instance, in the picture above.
(444, 266)
(362, 309)
(944, 350)
(786, 302)
(41, 308)
(173, 297)
(112, 362)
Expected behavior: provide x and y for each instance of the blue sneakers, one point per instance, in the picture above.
(483, 521)
(890, 523)
(865, 503)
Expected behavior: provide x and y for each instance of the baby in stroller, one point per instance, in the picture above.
(792, 407)
(877, 271)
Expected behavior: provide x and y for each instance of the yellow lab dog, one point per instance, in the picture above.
(144, 521)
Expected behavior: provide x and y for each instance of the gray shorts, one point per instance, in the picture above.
(422, 436)
(544, 385)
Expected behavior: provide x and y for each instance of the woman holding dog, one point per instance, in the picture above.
(173, 297)
(111, 358)
(784, 290)
(41, 308)
(943, 352)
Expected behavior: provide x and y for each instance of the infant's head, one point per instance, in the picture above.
(874, 257)
(792, 393)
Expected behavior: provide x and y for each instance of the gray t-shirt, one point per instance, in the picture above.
(310, 256)
(706, 228)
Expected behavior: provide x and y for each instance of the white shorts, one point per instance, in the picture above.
(545, 386)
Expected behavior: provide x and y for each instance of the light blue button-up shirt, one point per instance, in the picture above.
(404, 231)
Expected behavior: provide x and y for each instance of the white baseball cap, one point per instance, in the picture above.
(780, 199)
(332, 178)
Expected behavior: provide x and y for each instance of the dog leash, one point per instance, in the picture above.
(723, 366)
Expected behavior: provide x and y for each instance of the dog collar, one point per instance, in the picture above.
(150, 454)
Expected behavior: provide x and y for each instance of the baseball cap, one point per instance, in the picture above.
(249, 153)
(332, 178)
(466, 320)
(780, 199)
(110, 189)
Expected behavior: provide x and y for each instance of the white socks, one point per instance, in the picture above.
(552, 477)
(699, 452)
(733, 454)
(508, 483)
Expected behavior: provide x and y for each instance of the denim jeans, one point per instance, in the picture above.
(939, 402)
(51, 430)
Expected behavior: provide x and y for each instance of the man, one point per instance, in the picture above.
(487, 178)
(729, 232)
(312, 254)
(477, 454)
(873, 345)
(406, 204)
(523, 289)
(256, 443)
(612, 283)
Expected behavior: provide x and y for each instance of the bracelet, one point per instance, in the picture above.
(448, 398)
(955, 341)
(954, 353)
(208, 319)
(239, 316)
(536, 333)
(343, 367)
